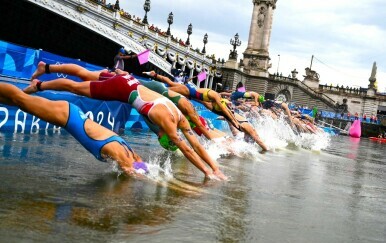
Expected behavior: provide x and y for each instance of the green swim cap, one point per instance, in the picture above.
(192, 125)
(261, 99)
(165, 142)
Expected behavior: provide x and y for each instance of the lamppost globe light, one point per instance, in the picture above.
(170, 21)
(170, 18)
(189, 31)
(235, 43)
(146, 7)
(278, 63)
(205, 40)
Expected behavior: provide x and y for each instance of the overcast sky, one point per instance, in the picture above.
(345, 36)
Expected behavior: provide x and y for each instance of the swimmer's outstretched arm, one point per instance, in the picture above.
(256, 98)
(247, 128)
(284, 106)
(234, 131)
(188, 152)
(226, 112)
(198, 148)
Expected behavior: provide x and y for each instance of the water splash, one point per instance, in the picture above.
(160, 167)
(314, 142)
(278, 134)
(232, 147)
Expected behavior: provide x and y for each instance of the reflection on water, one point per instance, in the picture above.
(53, 190)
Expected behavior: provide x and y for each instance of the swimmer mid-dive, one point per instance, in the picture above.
(183, 104)
(234, 96)
(272, 104)
(98, 140)
(211, 100)
(157, 108)
(84, 74)
(245, 126)
(199, 94)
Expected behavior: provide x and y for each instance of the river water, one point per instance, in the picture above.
(52, 190)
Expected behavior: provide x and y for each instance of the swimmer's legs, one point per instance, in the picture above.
(61, 84)
(55, 112)
(69, 69)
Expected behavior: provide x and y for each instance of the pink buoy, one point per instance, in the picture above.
(355, 129)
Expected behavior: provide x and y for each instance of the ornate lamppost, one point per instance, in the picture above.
(146, 7)
(235, 43)
(205, 40)
(170, 21)
(189, 31)
(278, 64)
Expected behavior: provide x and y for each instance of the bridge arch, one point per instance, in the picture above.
(283, 92)
(284, 96)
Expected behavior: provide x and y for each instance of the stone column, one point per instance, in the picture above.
(191, 72)
(267, 30)
(206, 81)
(211, 81)
(256, 56)
(253, 28)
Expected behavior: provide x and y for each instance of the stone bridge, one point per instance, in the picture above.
(89, 31)
(286, 89)
(307, 93)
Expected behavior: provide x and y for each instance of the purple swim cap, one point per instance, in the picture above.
(140, 167)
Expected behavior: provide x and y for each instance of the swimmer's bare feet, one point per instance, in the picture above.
(220, 175)
(151, 73)
(40, 70)
(120, 72)
(32, 88)
(211, 177)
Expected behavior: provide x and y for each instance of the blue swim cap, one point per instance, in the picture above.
(140, 167)
(122, 50)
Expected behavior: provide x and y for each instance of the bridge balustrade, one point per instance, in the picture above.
(336, 89)
(305, 87)
(131, 27)
(107, 12)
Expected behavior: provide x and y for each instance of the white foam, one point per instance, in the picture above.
(277, 134)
